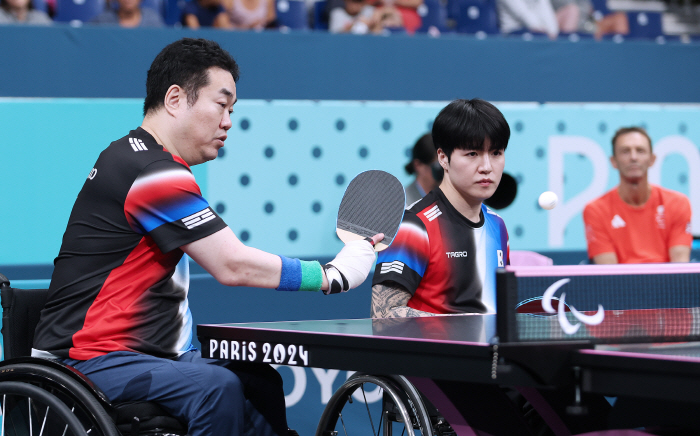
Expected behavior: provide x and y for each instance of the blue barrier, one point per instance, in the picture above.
(112, 62)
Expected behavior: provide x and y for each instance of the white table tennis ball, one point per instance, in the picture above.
(548, 200)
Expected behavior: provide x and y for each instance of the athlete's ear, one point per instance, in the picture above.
(443, 159)
(175, 99)
(613, 162)
(653, 159)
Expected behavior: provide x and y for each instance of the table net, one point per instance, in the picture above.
(599, 303)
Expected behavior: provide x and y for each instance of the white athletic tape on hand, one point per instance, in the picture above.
(354, 262)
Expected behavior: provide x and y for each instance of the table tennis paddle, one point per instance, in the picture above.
(373, 203)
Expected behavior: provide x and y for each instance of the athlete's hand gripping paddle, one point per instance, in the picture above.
(373, 203)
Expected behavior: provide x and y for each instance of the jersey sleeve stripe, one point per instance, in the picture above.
(150, 218)
(199, 218)
(171, 235)
(408, 248)
(165, 177)
(409, 258)
(165, 196)
(391, 272)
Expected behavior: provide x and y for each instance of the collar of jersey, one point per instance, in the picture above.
(457, 215)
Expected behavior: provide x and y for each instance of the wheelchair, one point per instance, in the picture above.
(46, 397)
(403, 410)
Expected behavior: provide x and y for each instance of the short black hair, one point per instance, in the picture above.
(465, 124)
(185, 63)
(632, 129)
(424, 151)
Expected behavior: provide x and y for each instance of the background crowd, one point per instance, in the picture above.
(550, 18)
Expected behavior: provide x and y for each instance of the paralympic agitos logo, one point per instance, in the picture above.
(568, 328)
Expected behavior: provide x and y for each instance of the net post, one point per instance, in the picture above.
(506, 299)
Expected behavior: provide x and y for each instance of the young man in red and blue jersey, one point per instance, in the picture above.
(444, 257)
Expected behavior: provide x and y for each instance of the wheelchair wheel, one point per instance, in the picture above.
(29, 410)
(89, 411)
(402, 409)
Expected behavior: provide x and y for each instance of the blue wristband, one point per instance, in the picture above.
(290, 279)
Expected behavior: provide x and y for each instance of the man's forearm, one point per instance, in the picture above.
(390, 302)
(679, 253)
(605, 259)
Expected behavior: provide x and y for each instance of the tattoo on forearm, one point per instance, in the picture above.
(390, 302)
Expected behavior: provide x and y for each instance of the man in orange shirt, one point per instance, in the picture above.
(637, 222)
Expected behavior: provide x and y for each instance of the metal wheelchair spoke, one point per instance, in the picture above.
(29, 414)
(27, 408)
(43, 422)
(396, 405)
(345, 430)
(369, 413)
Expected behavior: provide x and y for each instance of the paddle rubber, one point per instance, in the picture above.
(373, 203)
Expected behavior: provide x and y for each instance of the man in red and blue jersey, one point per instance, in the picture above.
(444, 257)
(117, 307)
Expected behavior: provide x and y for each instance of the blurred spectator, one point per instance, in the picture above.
(205, 13)
(528, 15)
(572, 15)
(250, 14)
(425, 166)
(613, 23)
(129, 13)
(353, 16)
(578, 16)
(408, 9)
(22, 12)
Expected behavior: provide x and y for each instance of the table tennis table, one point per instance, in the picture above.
(647, 357)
